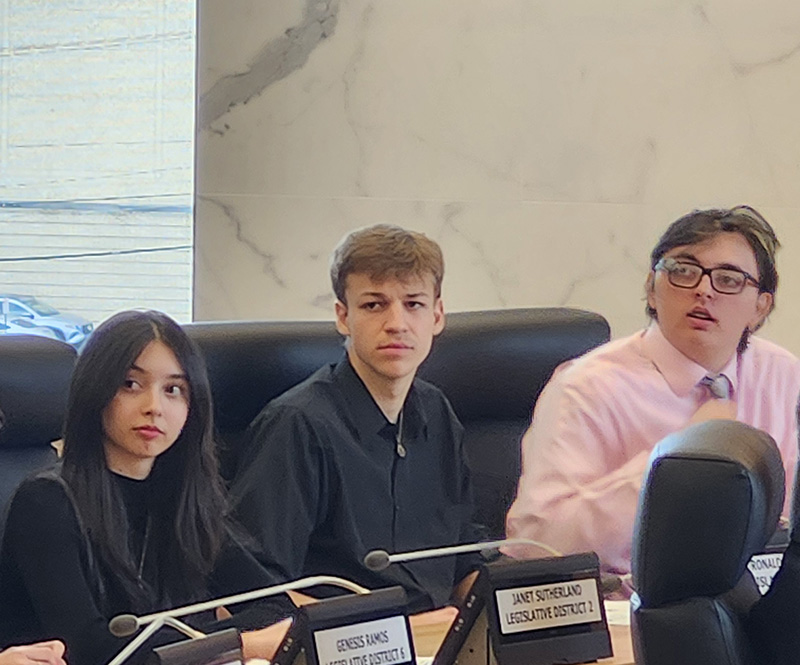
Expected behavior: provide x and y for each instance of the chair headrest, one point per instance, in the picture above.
(35, 373)
(490, 364)
(710, 500)
(251, 362)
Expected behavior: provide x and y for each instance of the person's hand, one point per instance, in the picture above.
(715, 409)
(300, 599)
(465, 586)
(51, 653)
(444, 615)
(430, 628)
(262, 643)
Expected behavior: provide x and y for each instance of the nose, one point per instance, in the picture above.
(704, 288)
(396, 317)
(152, 401)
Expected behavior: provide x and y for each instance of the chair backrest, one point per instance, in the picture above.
(34, 382)
(490, 364)
(774, 623)
(252, 362)
(711, 499)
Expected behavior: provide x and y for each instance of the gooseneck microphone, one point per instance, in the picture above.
(124, 625)
(380, 559)
(137, 641)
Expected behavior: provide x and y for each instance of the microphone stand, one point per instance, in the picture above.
(303, 583)
(472, 547)
(153, 622)
(380, 559)
(184, 628)
(137, 641)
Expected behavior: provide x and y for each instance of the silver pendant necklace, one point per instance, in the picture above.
(398, 437)
(142, 556)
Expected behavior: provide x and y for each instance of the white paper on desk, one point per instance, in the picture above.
(618, 612)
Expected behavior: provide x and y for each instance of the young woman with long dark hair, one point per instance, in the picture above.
(134, 519)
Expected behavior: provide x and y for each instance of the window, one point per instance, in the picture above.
(96, 158)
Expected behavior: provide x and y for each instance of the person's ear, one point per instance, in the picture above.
(341, 318)
(650, 289)
(438, 316)
(763, 308)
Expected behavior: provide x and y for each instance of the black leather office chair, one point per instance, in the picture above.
(711, 499)
(251, 362)
(490, 364)
(34, 382)
(774, 622)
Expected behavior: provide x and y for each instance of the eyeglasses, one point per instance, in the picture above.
(688, 275)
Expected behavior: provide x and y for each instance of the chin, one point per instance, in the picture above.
(396, 372)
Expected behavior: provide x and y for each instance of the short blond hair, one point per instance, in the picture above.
(385, 251)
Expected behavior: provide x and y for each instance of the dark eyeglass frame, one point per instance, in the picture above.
(668, 265)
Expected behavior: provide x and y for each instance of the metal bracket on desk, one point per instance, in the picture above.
(477, 649)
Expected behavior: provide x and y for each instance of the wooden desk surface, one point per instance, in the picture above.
(427, 639)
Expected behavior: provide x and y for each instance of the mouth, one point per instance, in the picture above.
(701, 314)
(149, 430)
(394, 346)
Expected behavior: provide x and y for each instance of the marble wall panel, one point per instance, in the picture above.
(545, 145)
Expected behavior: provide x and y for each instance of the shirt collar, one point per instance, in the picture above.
(368, 415)
(680, 372)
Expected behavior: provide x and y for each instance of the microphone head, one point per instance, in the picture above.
(123, 625)
(377, 560)
(609, 583)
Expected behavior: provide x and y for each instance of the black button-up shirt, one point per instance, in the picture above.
(323, 480)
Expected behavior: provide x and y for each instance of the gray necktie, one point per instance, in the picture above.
(719, 386)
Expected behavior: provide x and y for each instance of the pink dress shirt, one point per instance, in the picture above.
(598, 418)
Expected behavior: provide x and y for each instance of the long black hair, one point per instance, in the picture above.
(188, 515)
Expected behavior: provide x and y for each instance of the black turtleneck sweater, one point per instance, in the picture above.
(49, 587)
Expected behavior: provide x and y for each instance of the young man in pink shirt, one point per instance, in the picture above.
(711, 284)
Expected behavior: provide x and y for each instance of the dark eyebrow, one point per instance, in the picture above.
(731, 266)
(136, 368)
(726, 266)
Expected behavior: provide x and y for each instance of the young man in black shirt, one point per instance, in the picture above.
(363, 455)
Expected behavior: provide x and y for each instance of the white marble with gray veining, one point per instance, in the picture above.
(544, 144)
